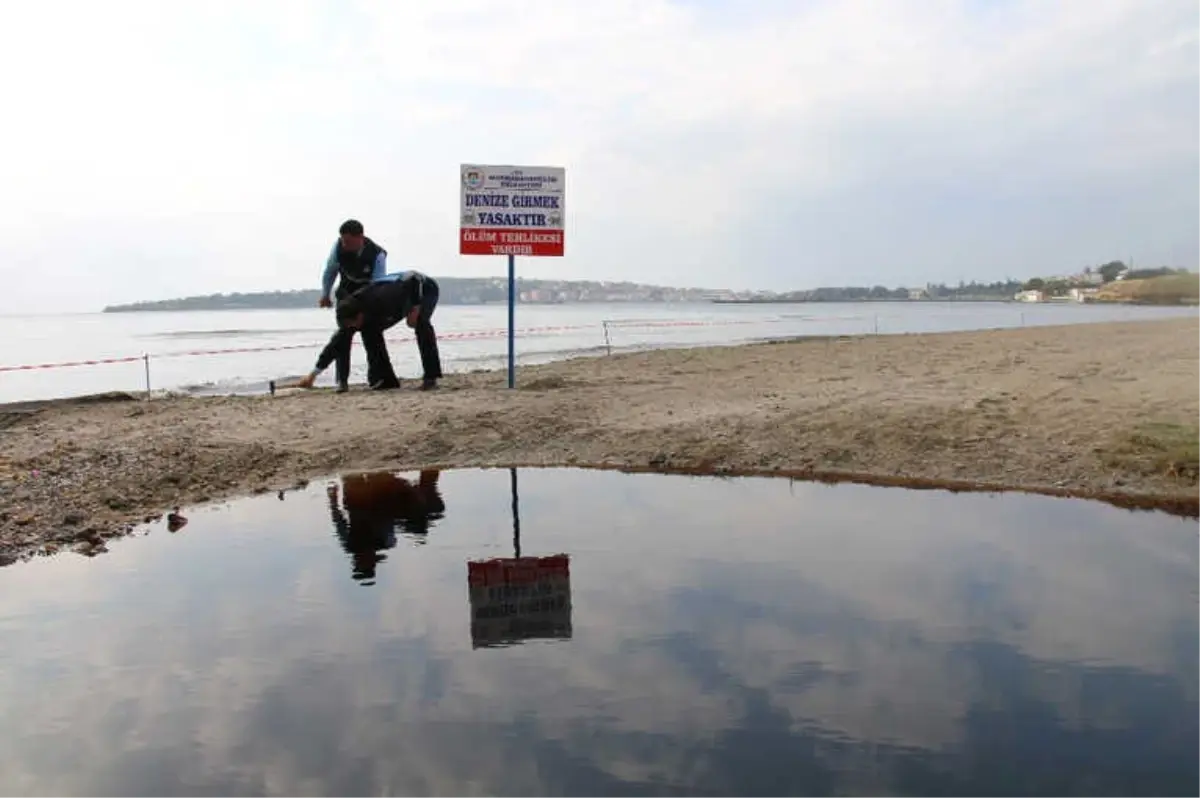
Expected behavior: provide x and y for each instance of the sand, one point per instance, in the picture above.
(1102, 410)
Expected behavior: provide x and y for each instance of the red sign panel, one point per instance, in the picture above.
(505, 241)
(524, 570)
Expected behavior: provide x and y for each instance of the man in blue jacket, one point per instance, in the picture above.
(354, 262)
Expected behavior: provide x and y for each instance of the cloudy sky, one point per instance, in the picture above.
(157, 149)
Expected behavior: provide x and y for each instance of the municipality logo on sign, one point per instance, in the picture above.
(473, 178)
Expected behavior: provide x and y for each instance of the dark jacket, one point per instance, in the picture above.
(383, 304)
(355, 269)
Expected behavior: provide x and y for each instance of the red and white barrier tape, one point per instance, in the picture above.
(74, 363)
(451, 336)
(724, 323)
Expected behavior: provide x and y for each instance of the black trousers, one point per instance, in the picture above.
(379, 362)
(431, 360)
(338, 349)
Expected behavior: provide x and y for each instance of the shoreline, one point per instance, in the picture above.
(1104, 411)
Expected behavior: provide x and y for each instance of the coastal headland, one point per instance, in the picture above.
(1106, 411)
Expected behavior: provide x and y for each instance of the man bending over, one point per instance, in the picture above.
(409, 295)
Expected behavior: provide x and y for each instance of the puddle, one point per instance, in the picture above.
(599, 633)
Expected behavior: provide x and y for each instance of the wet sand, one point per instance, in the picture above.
(1101, 410)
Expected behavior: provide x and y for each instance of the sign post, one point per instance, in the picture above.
(512, 210)
(512, 320)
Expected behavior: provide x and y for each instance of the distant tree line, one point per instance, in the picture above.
(1146, 274)
(454, 291)
(486, 290)
(936, 291)
(1003, 289)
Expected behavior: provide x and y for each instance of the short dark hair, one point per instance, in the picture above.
(351, 227)
(347, 310)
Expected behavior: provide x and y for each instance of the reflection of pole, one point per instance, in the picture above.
(512, 472)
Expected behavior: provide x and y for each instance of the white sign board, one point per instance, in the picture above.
(512, 210)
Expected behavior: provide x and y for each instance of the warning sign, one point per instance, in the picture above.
(518, 599)
(512, 210)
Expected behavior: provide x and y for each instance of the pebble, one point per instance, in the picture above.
(91, 549)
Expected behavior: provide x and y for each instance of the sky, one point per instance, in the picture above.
(154, 150)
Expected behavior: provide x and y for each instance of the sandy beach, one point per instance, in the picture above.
(1100, 410)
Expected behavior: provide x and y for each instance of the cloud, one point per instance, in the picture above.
(709, 615)
(708, 143)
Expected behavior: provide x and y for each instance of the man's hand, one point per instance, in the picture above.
(306, 381)
(325, 303)
(411, 319)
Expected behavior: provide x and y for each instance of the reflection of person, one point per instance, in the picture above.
(374, 505)
(354, 262)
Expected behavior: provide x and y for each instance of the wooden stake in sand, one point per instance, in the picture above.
(283, 385)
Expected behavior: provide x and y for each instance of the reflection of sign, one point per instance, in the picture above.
(511, 210)
(519, 599)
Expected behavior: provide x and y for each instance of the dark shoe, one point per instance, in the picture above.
(342, 387)
(385, 385)
(429, 385)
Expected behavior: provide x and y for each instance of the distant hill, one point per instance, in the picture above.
(1181, 288)
(454, 291)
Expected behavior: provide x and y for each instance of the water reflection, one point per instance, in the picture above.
(853, 641)
(374, 505)
(517, 599)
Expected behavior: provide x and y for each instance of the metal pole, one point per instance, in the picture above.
(146, 361)
(512, 305)
(512, 472)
